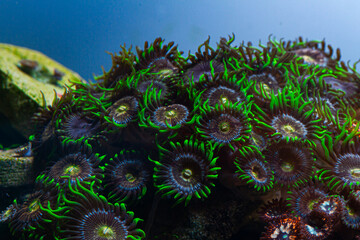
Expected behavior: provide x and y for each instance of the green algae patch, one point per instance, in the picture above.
(25, 75)
(15, 170)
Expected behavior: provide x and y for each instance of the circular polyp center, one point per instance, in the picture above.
(224, 100)
(350, 211)
(311, 204)
(267, 88)
(257, 140)
(308, 59)
(256, 173)
(287, 166)
(130, 177)
(348, 167)
(166, 72)
(7, 213)
(122, 109)
(170, 113)
(328, 207)
(186, 174)
(311, 56)
(355, 172)
(72, 170)
(288, 129)
(224, 127)
(106, 232)
(34, 206)
(288, 126)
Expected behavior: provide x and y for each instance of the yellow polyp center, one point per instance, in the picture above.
(122, 109)
(130, 177)
(72, 170)
(266, 88)
(355, 172)
(106, 232)
(34, 206)
(255, 172)
(256, 141)
(308, 59)
(186, 174)
(170, 114)
(288, 129)
(311, 204)
(224, 127)
(350, 211)
(287, 167)
(7, 213)
(224, 100)
(166, 72)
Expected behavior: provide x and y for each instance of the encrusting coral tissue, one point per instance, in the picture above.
(156, 145)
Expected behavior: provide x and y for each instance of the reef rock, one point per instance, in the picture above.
(16, 167)
(26, 76)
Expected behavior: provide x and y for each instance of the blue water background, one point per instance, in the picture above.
(78, 33)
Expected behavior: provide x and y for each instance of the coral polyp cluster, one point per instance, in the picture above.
(273, 128)
(186, 170)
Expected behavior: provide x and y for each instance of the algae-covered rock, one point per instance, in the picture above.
(24, 75)
(15, 168)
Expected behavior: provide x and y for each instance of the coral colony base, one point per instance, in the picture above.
(275, 126)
